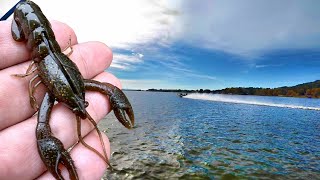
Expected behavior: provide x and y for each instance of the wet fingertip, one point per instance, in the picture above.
(64, 33)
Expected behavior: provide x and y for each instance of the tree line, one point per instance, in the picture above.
(310, 90)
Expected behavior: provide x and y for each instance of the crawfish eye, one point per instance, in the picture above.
(86, 104)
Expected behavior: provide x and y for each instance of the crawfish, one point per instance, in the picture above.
(64, 84)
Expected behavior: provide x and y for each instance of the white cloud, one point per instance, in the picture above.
(185, 72)
(119, 66)
(126, 62)
(267, 65)
(244, 27)
(261, 66)
(118, 23)
(140, 55)
(251, 27)
(202, 76)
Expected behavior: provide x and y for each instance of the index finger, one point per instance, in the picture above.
(12, 52)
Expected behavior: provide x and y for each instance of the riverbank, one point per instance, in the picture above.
(305, 90)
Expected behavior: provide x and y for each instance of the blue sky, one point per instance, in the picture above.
(187, 67)
(209, 44)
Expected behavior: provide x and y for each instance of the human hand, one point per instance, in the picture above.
(18, 149)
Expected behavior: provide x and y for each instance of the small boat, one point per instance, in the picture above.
(182, 94)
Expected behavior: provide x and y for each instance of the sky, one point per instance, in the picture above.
(208, 44)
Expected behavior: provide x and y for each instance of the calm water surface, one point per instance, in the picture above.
(183, 138)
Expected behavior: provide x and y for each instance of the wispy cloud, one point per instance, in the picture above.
(126, 62)
(182, 70)
(267, 65)
(147, 84)
(203, 76)
(183, 73)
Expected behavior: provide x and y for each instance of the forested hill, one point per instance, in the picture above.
(311, 89)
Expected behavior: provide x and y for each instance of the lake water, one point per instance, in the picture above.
(204, 136)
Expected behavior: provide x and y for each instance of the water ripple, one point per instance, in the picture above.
(180, 138)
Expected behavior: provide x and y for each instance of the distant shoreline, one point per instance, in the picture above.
(305, 90)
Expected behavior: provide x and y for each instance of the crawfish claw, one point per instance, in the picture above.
(122, 108)
(52, 153)
(119, 102)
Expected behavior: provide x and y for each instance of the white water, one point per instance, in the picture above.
(241, 100)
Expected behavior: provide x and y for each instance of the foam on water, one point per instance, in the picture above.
(241, 100)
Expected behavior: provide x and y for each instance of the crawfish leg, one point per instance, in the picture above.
(118, 100)
(69, 46)
(28, 72)
(51, 149)
(33, 100)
